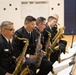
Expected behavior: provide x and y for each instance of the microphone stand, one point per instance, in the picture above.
(72, 38)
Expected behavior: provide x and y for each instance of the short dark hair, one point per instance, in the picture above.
(30, 19)
(51, 17)
(5, 24)
(39, 20)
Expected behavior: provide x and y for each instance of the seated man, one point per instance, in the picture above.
(7, 64)
(27, 32)
(51, 23)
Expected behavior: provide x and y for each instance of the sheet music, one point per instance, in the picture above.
(67, 70)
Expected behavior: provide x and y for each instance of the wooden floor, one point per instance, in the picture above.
(68, 38)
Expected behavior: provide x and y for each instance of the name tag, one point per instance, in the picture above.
(36, 40)
(6, 50)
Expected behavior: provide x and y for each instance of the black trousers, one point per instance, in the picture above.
(32, 66)
(45, 67)
(54, 56)
(63, 44)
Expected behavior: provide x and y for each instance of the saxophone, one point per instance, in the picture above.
(62, 36)
(47, 49)
(57, 36)
(38, 52)
(18, 70)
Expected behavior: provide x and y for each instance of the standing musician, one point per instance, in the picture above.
(51, 27)
(7, 64)
(27, 32)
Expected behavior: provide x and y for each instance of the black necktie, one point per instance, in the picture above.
(29, 35)
(10, 47)
(9, 44)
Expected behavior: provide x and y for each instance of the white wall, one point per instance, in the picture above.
(15, 15)
(58, 9)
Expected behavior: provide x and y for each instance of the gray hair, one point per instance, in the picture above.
(39, 20)
(4, 24)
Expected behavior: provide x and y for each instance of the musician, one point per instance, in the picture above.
(46, 66)
(23, 32)
(7, 64)
(51, 23)
(26, 32)
(61, 41)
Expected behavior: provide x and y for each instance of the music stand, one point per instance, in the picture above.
(72, 32)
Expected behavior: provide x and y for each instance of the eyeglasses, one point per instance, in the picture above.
(10, 29)
(43, 24)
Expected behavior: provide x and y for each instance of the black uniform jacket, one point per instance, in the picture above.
(19, 44)
(46, 34)
(6, 62)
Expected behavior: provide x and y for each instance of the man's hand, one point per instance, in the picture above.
(45, 53)
(8, 74)
(49, 44)
(24, 59)
(40, 46)
(33, 57)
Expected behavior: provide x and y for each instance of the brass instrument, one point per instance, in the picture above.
(62, 36)
(26, 70)
(47, 49)
(57, 36)
(39, 53)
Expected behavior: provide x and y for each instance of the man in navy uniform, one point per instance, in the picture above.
(27, 32)
(51, 27)
(7, 64)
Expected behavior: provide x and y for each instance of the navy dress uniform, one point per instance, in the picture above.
(18, 47)
(62, 43)
(7, 63)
